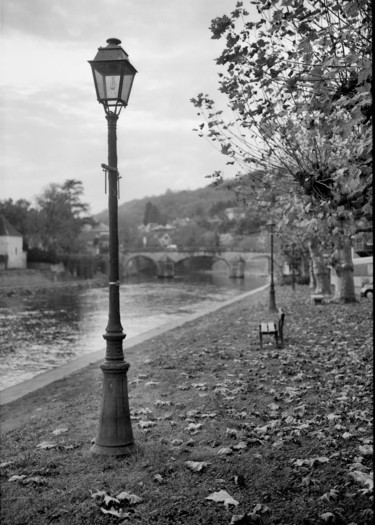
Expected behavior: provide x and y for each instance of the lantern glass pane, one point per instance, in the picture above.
(107, 76)
(112, 85)
(126, 87)
(99, 83)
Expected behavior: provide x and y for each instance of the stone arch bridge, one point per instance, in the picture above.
(166, 261)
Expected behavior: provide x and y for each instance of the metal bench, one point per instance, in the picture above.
(317, 298)
(275, 329)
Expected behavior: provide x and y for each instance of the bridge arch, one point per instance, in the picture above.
(204, 261)
(137, 263)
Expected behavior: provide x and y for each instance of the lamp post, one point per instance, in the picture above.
(293, 262)
(272, 306)
(113, 78)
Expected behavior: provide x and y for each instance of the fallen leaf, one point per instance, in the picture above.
(332, 417)
(240, 446)
(261, 508)
(98, 495)
(193, 427)
(225, 451)
(321, 459)
(158, 478)
(364, 478)
(329, 496)
(131, 498)
(58, 431)
(112, 511)
(176, 442)
(326, 516)
(47, 445)
(109, 499)
(199, 386)
(17, 478)
(366, 450)
(38, 480)
(6, 464)
(222, 496)
(196, 466)
(241, 519)
(232, 432)
(146, 424)
(160, 403)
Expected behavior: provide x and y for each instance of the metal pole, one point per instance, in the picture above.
(115, 436)
(272, 285)
(293, 276)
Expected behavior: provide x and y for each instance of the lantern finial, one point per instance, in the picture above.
(113, 42)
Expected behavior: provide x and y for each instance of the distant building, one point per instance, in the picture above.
(156, 234)
(11, 250)
(234, 214)
(94, 237)
(226, 240)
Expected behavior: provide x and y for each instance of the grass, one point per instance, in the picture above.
(285, 432)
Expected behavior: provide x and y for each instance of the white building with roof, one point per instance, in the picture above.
(11, 247)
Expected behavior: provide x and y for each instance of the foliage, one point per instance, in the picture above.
(53, 225)
(43, 256)
(152, 214)
(59, 213)
(298, 82)
(22, 216)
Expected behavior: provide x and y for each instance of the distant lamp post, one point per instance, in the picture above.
(293, 268)
(272, 307)
(113, 77)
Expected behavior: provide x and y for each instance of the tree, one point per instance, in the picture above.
(153, 214)
(60, 216)
(298, 81)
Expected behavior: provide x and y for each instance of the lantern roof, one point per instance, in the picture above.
(113, 51)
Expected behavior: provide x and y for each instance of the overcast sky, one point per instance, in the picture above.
(53, 128)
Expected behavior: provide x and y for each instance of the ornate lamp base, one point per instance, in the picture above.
(115, 436)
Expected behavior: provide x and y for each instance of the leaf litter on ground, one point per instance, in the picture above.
(300, 417)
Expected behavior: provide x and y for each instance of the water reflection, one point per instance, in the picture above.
(49, 328)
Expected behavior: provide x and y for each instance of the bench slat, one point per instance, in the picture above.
(271, 327)
(268, 328)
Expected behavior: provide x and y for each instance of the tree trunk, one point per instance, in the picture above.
(345, 291)
(312, 282)
(320, 269)
(304, 267)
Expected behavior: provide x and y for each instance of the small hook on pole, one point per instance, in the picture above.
(106, 169)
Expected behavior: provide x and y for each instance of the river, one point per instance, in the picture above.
(47, 329)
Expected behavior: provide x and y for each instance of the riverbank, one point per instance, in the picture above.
(286, 433)
(28, 281)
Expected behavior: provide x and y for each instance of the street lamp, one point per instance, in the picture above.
(113, 78)
(272, 308)
(293, 275)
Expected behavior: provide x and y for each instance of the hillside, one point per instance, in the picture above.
(173, 205)
(194, 218)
